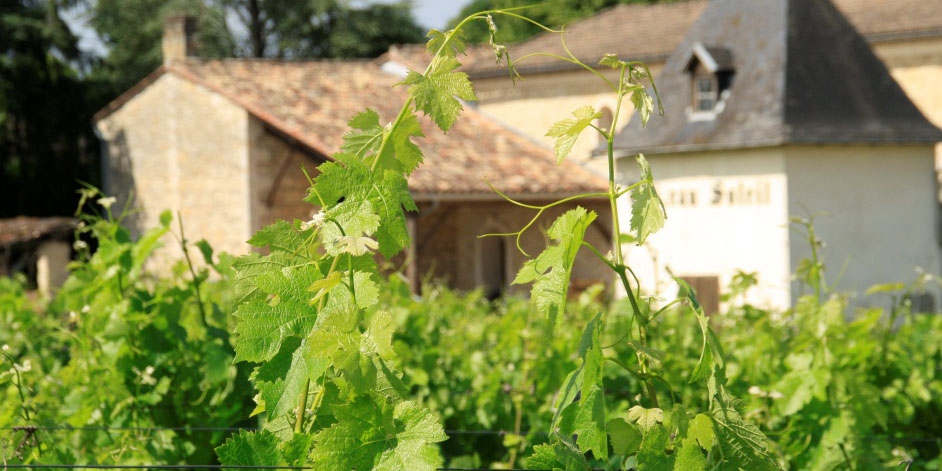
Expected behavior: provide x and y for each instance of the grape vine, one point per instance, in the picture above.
(308, 315)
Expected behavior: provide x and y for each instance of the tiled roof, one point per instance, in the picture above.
(24, 229)
(802, 75)
(312, 102)
(651, 32)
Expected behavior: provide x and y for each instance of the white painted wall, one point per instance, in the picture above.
(875, 209)
(726, 212)
(880, 213)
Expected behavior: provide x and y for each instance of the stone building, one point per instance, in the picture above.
(38, 249)
(222, 141)
(773, 108)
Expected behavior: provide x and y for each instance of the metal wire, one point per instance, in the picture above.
(208, 466)
(142, 466)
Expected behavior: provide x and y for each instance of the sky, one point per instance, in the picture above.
(428, 14)
(436, 13)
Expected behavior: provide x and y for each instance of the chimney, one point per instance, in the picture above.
(178, 42)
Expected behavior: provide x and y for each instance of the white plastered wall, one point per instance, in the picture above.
(532, 105)
(876, 210)
(726, 212)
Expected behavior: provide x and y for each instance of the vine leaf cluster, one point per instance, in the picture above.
(308, 315)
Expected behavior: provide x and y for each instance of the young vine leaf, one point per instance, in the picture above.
(446, 44)
(366, 137)
(647, 212)
(387, 192)
(437, 93)
(711, 354)
(552, 268)
(568, 130)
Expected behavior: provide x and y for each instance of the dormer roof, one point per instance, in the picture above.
(713, 59)
(803, 75)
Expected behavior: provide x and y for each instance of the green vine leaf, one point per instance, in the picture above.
(646, 418)
(250, 449)
(552, 268)
(568, 130)
(743, 445)
(643, 102)
(371, 434)
(653, 453)
(647, 212)
(701, 429)
(624, 437)
(262, 326)
(437, 93)
(387, 192)
(689, 457)
(588, 424)
(447, 44)
(366, 138)
(281, 379)
(557, 456)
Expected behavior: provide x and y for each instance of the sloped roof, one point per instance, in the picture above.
(25, 229)
(311, 102)
(802, 75)
(650, 32)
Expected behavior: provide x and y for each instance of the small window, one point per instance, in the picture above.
(705, 92)
(492, 263)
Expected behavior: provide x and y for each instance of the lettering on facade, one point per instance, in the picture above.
(721, 193)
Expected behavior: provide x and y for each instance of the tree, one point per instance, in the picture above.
(322, 28)
(248, 28)
(46, 142)
(132, 30)
(552, 13)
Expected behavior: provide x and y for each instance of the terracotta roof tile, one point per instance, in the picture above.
(313, 101)
(651, 32)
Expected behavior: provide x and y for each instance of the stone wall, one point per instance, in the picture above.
(278, 185)
(192, 160)
(450, 250)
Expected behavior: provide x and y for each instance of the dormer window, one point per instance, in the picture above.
(705, 92)
(711, 74)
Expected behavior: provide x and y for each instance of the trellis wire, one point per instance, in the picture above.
(209, 466)
(69, 428)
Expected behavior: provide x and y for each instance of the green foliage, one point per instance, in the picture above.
(132, 29)
(308, 314)
(550, 271)
(647, 212)
(567, 131)
(119, 356)
(351, 371)
(553, 13)
(45, 107)
(437, 92)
